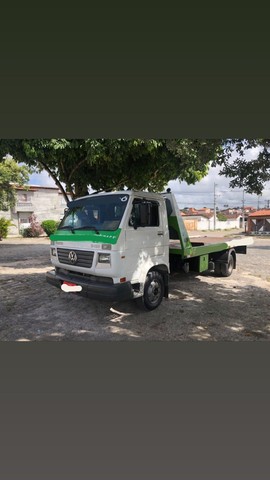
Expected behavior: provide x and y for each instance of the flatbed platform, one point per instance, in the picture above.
(203, 245)
(233, 241)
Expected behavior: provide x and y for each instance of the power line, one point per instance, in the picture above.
(179, 192)
(191, 193)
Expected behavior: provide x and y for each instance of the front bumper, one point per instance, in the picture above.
(93, 289)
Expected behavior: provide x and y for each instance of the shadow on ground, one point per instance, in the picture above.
(31, 309)
(199, 308)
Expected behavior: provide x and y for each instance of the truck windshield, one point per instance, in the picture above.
(101, 212)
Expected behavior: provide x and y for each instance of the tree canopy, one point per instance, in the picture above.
(11, 173)
(110, 164)
(250, 173)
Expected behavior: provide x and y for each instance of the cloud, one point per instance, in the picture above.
(215, 185)
(43, 179)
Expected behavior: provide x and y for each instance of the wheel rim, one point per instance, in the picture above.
(154, 292)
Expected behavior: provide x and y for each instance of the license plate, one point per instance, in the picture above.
(70, 287)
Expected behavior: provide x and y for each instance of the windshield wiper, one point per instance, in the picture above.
(67, 227)
(87, 227)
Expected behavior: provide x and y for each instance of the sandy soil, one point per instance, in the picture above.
(199, 308)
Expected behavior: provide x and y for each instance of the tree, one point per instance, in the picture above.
(110, 164)
(11, 173)
(4, 226)
(250, 174)
(221, 217)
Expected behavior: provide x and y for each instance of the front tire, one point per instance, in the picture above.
(153, 291)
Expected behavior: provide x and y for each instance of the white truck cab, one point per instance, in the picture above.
(113, 246)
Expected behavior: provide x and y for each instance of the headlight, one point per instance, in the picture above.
(53, 252)
(104, 258)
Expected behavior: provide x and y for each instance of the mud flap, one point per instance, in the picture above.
(166, 285)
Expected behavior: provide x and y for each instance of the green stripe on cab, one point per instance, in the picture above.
(104, 236)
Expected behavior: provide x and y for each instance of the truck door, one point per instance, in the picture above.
(144, 236)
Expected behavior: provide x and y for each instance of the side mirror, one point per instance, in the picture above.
(133, 221)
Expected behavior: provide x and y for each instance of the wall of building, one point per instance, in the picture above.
(234, 223)
(259, 225)
(203, 223)
(46, 203)
(196, 223)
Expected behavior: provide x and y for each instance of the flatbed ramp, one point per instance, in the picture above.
(230, 241)
(203, 245)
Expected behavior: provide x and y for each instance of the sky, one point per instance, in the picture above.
(214, 188)
(202, 193)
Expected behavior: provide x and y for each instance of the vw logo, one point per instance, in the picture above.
(72, 257)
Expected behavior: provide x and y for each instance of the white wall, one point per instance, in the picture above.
(46, 204)
(204, 223)
(233, 223)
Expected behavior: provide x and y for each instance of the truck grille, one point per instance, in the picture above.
(84, 259)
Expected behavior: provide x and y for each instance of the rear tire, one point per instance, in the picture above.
(226, 269)
(218, 269)
(154, 289)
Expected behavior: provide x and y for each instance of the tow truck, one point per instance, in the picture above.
(123, 245)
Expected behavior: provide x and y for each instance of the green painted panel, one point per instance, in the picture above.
(203, 263)
(183, 236)
(212, 247)
(86, 236)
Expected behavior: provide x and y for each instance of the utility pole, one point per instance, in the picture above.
(243, 212)
(215, 206)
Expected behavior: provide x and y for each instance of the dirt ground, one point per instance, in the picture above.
(199, 307)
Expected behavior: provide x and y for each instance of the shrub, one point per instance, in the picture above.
(221, 217)
(4, 224)
(49, 226)
(35, 229)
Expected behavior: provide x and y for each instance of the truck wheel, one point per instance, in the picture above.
(218, 269)
(153, 291)
(226, 269)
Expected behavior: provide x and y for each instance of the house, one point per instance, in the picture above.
(233, 220)
(249, 210)
(205, 221)
(47, 203)
(259, 222)
(197, 221)
(204, 210)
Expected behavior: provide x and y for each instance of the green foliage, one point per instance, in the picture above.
(221, 217)
(35, 229)
(4, 225)
(246, 172)
(111, 164)
(10, 173)
(49, 226)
